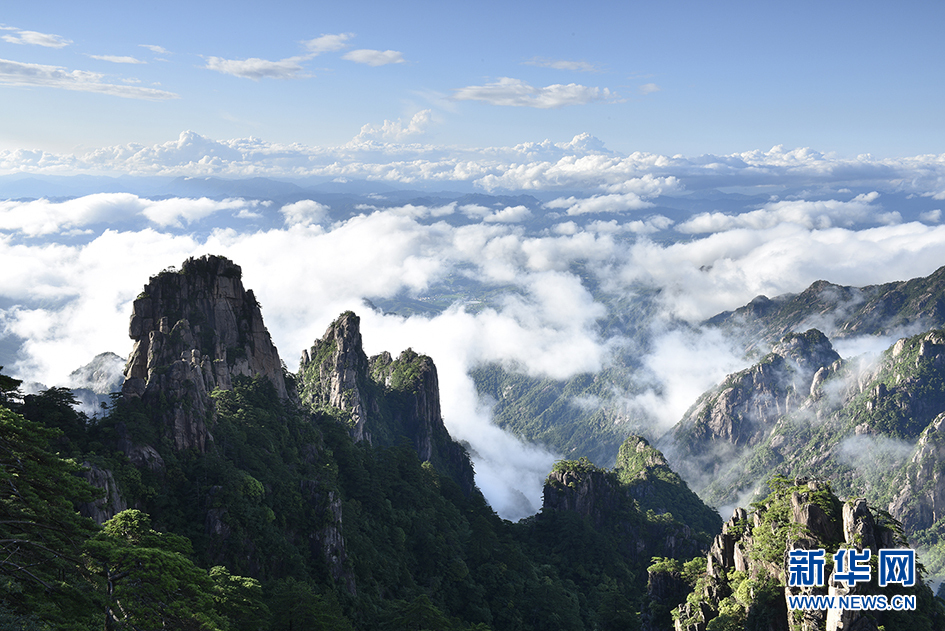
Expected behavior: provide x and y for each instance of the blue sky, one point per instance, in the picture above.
(672, 77)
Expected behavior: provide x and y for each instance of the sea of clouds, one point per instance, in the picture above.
(74, 264)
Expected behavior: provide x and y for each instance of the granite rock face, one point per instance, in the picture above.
(106, 507)
(334, 373)
(196, 330)
(753, 552)
(386, 399)
(608, 504)
(742, 411)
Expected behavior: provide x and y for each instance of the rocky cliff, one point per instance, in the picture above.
(385, 399)
(874, 429)
(745, 584)
(742, 411)
(196, 330)
(647, 476)
(609, 504)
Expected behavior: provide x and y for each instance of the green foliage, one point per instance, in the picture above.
(298, 605)
(239, 599)
(645, 472)
(41, 568)
(150, 581)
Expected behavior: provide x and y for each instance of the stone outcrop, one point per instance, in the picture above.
(386, 399)
(599, 496)
(648, 478)
(195, 330)
(106, 507)
(742, 411)
(921, 501)
(334, 373)
(756, 545)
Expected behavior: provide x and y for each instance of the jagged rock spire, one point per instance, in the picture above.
(195, 330)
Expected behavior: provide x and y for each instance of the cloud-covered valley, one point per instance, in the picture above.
(526, 280)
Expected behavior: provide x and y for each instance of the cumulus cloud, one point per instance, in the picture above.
(396, 130)
(560, 64)
(374, 57)
(160, 50)
(289, 68)
(509, 214)
(600, 204)
(115, 59)
(37, 39)
(583, 163)
(648, 88)
(305, 213)
(328, 43)
(256, 69)
(23, 74)
(517, 93)
(631, 198)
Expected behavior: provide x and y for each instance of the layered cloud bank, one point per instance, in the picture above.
(583, 163)
(532, 281)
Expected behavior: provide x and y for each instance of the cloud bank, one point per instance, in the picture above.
(551, 273)
(380, 154)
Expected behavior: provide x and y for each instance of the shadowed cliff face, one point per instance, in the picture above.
(334, 373)
(746, 580)
(195, 330)
(387, 399)
(742, 411)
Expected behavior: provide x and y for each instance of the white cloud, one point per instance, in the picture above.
(375, 57)
(22, 74)
(582, 163)
(305, 213)
(600, 204)
(517, 93)
(560, 64)
(509, 214)
(256, 69)
(160, 50)
(43, 217)
(176, 212)
(810, 214)
(328, 43)
(37, 39)
(115, 59)
(631, 197)
(648, 88)
(396, 130)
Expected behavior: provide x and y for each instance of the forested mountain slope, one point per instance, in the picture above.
(235, 495)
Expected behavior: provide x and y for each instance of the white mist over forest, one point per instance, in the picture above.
(546, 249)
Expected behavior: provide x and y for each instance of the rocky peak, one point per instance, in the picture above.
(608, 504)
(334, 372)
(743, 409)
(645, 473)
(195, 330)
(581, 487)
(387, 399)
(754, 546)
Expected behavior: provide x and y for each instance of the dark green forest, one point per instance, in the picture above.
(236, 538)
